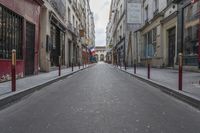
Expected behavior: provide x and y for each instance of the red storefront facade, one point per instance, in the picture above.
(19, 30)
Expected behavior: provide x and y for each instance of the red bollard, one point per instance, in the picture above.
(59, 70)
(72, 66)
(149, 70)
(59, 66)
(13, 71)
(134, 68)
(180, 75)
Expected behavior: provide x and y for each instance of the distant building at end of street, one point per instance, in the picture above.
(100, 53)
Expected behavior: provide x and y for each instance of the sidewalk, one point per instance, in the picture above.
(167, 81)
(24, 83)
(169, 77)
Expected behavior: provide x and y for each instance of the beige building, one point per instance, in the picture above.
(169, 35)
(52, 34)
(100, 53)
(156, 40)
(64, 33)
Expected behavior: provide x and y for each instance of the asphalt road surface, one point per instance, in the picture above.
(100, 99)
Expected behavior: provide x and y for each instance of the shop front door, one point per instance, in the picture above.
(171, 48)
(30, 49)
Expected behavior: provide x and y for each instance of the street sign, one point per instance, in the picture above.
(134, 13)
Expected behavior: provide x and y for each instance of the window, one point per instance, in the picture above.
(73, 21)
(150, 42)
(154, 43)
(169, 2)
(156, 4)
(69, 15)
(191, 29)
(120, 10)
(146, 14)
(77, 25)
(10, 34)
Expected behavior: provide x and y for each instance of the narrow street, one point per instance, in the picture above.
(100, 99)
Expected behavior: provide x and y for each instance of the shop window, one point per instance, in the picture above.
(191, 28)
(10, 34)
(154, 43)
(150, 41)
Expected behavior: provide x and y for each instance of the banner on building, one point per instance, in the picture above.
(82, 33)
(134, 14)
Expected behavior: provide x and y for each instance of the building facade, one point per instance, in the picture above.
(64, 33)
(45, 34)
(189, 32)
(168, 27)
(20, 27)
(151, 46)
(116, 33)
(100, 53)
(52, 34)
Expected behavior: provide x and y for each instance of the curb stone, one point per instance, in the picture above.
(181, 95)
(15, 96)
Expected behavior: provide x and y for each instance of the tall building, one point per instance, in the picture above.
(189, 32)
(116, 31)
(52, 34)
(124, 18)
(168, 27)
(45, 34)
(64, 33)
(20, 27)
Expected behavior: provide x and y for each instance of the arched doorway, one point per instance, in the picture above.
(97, 57)
(102, 57)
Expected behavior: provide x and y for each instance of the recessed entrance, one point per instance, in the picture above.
(171, 46)
(30, 49)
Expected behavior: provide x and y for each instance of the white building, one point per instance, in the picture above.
(116, 31)
(119, 31)
(64, 33)
(100, 53)
(52, 34)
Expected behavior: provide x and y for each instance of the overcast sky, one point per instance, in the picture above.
(101, 13)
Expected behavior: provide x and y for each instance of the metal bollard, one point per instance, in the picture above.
(148, 70)
(72, 66)
(13, 70)
(180, 77)
(59, 66)
(134, 68)
(79, 64)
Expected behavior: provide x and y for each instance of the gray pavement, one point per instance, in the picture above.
(169, 78)
(99, 100)
(24, 83)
